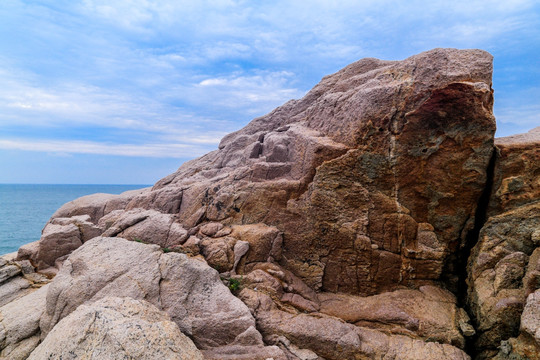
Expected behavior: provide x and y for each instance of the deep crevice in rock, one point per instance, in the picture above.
(464, 252)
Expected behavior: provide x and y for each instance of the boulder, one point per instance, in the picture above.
(187, 289)
(13, 289)
(496, 270)
(527, 344)
(530, 319)
(18, 278)
(116, 328)
(148, 226)
(516, 181)
(97, 205)
(59, 238)
(429, 313)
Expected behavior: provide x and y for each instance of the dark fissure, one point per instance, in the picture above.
(464, 252)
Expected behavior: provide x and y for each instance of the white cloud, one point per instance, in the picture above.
(170, 150)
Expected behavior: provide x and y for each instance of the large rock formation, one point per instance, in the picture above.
(342, 222)
(504, 266)
(373, 177)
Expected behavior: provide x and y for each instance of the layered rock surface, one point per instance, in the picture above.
(339, 222)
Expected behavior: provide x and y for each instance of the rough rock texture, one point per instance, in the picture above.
(504, 266)
(527, 344)
(117, 328)
(19, 325)
(17, 279)
(146, 226)
(337, 219)
(332, 338)
(530, 319)
(517, 172)
(187, 289)
(429, 313)
(97, 205)
(372, 178)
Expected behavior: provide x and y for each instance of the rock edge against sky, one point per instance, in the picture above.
(375, 217)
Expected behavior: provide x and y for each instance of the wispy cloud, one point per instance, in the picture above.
(178, 75)
(165, 150)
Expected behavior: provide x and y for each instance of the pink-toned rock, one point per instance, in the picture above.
(187, 289)
(348, 173)
(148, 226)
(331, 338)
(429, 313)
(116, 328)
(97, 205)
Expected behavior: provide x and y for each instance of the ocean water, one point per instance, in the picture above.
(24, 209)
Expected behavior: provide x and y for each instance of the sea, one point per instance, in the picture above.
(25, 208)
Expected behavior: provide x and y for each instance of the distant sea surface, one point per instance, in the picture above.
(24, 209)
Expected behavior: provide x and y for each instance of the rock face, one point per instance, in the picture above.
(342, 222)
(373, 177)
(504, 267)
(117, 328)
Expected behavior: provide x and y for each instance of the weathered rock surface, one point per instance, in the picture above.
(148, 226)
(117, 328)
(19, 325)
(429, 313)
(337, 219)
(517, 172)
(17, 279)
(97, 205)
(372, 178)
(187, 289)
(332, 338)
(504, 266)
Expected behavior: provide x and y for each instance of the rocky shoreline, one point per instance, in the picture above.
(375, 218)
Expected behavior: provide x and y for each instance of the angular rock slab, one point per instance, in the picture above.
(117, 328)
(97, 205)
(187, 289)
(429, 313)
(530, 319)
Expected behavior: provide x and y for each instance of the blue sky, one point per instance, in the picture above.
(101, 91)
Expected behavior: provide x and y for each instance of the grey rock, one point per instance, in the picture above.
(14, 289)
(9, 271)
(530, 318)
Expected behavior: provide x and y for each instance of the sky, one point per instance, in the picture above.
(125, 91)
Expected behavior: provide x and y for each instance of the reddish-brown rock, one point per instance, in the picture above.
(324, 213)
(504, 266)
(372, 178)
